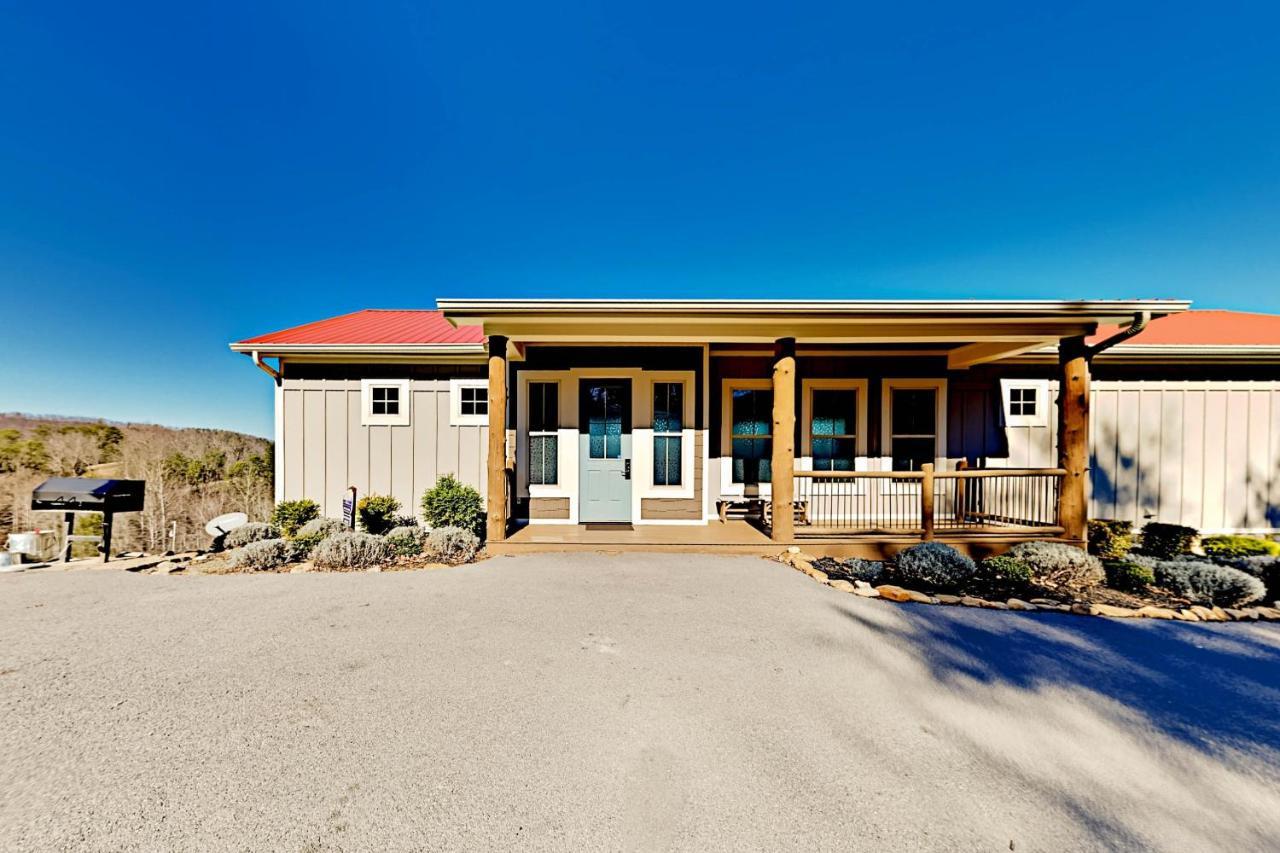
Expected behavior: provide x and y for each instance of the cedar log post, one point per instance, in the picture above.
(782, 463)
(496, 503)
(926, 501)
(1073, 435)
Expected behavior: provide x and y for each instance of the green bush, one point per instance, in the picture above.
(1265, 569)
(377, 513)
(1110, 539)
(350, 551)
(1208, 583)
(1167, 541)
(261, 556)
(1239, 546)
(254, 531)
(1060, 565)
(406, 540)
(288, 516)
(312, 534)
(452, 545)
(933, 565)
(452, 504)
(1127, 575)
(1004, 573)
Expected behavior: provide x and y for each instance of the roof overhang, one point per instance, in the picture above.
(1165, 353)
(978, 330)
(364, 352)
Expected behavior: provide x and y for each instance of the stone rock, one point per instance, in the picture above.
(970, 601)
(802, 564)
(1019, 604)
(920, 597)
(1221, 614)
(1206, 614)
(862, 585)
(1185, 615)
(1082, 608)
(801, 555)
(818, 575)
(1047, 602)
(1270, 614)
(865, 592)
(1059, 608)
(199, 558)
(948, 599)
(374, 569)
(168, 567)
(893, 593)
(793, 549)
(1150, 611)
(992, 605)
(843, 586)
(1112, 611)
(1241, 615)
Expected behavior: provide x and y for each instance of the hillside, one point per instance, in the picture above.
(192, 474)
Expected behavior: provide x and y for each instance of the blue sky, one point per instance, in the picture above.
(177, 176)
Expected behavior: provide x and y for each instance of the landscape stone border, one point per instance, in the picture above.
(803, 562)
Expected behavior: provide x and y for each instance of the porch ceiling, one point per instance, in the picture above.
(977, 330)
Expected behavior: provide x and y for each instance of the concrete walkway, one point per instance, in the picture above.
(615, 702)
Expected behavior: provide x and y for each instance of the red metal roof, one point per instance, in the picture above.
(1206, 328)
(374, 326)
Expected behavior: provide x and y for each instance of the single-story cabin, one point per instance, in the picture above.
(749, 424)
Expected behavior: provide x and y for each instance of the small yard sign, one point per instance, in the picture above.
(349, 508)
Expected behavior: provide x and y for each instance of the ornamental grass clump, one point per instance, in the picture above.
(1004, 574)
(288, 516)
(1110, 539)
(451, 545)
(1167, 541)
(1208, 583)
(933, 565)
(351, 551)
(1239, 546)
(407, 541)
(261, 556)
(1128, 575)
(1059, 565)
(254, 531)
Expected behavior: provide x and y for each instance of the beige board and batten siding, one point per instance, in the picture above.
(325, 448)
(1203, 453)
(684, 509)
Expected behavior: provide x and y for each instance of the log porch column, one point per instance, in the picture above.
(1073, 435)
(496, 501)
(782, 463)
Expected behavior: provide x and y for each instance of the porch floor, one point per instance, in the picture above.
(735, 536)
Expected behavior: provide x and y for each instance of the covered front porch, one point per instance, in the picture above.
(749, 426)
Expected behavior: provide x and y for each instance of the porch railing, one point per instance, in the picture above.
(923, 503)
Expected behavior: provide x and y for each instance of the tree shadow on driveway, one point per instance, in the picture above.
(1142, 732)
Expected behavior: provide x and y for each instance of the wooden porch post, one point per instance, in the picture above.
(782, 463)
(1073, 435)
(496, 525)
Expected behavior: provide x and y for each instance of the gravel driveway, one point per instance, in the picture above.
(615, 702)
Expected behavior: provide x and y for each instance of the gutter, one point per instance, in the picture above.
(1140, 321)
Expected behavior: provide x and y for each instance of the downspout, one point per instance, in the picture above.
(274, 373)
(1140, 321)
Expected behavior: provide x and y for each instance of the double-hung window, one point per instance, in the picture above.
(913, 420)
(833, 425)
(750, 435)
(668, 423)
(544, 421)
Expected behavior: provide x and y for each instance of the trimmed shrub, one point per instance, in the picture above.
(261, 556)
(452, 504)
(1110, 539)
(406, 541)
(1265, 569)
(1208, 583)
(1239, 546)
(288, 516)
(1004, 573)
(858, 569)
(1060, 565)
(451, 545)
(349, 551)
(377, 513)
(312, 534)
(935, 566)
(254, 531)
(1167, 541)
(1128, 575)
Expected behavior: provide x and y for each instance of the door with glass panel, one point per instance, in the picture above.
(604, 450)
(750, 437)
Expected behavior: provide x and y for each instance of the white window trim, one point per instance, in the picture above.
(888, 386)
(531, 433)
(566, 441)
(456, 418)
(367, 418)
(728, 488)
(1041, 417)
(642, 437)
